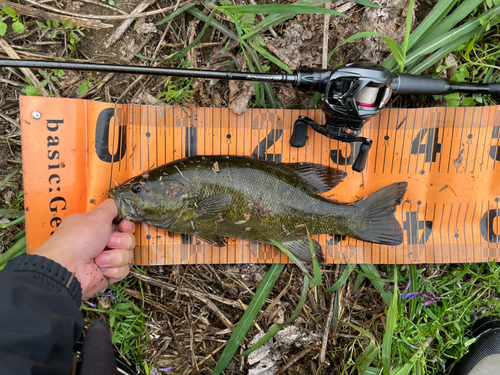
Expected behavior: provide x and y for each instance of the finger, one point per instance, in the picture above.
(126, 226)
(106, 211)
(121, 241)
(115, 274)
(114, 258)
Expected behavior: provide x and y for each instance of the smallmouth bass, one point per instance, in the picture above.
(213, 197)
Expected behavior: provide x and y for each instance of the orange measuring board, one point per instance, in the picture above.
(75, 150)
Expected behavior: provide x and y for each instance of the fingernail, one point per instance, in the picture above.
(114, 240)
(102, 259)
(127, 225)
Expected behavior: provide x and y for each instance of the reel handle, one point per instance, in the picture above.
(298, 138)
(360, 162)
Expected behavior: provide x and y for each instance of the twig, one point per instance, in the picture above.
(27, 72)
(322, 356)
(277, 298)
(125, 24)
(326, 33)
(7, 118)
(149, 301)
(207, 357)
(38, 13)
(104, 17)
(294, 359)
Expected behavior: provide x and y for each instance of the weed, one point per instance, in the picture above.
(52, 75)
(127, 321)
(178, 90)
(110, 2)
(66, 29)
(17, 25)
(17, 202)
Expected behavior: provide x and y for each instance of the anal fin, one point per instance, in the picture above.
(301, 249)
(213, 239)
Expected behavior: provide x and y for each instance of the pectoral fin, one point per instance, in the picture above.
(213, 239)
(211, 207)
(300, 248)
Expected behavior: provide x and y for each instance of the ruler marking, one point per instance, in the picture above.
(448, 232)
(376, 148)
(442, 141)
(484, 150)
(403, 145)
(473, 237)
(412, 138)
(385, 147)
(394, 142)
(112, 156)
(465, 232)
(432, 234)
(461, 137)
(470, 134)
(477, 142)
(497, 145)
(456, 228)
(451, 142)
(149, 164)
(440, 237)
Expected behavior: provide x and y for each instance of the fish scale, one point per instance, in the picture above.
(213, 197)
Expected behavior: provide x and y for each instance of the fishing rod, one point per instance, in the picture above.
(352, 94)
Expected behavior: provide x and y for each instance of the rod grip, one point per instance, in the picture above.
(409, 84)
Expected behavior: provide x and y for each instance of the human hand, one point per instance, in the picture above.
(92, 247)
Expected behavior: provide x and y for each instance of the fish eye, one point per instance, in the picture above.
(136, 189)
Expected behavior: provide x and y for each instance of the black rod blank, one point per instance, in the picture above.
(146, 70)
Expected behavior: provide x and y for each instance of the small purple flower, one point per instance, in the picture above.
(155, 371)
(91, 305)
(474, 316)
(428, 303)
(408, 285)
(410, 296)
(434, 359)
(392, 367)
(166, 369)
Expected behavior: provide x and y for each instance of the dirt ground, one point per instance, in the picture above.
(196, 308)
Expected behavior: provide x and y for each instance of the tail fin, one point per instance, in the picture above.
(380, 224)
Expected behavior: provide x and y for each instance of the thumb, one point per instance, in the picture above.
(106, 211)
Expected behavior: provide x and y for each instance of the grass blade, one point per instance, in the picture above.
(174, 14)
(413, 289)
(265, 287)
(19, 248)
(14, 222)
(372, 274)
(184, 51)
(366, 3)
(278, 18)
(277, 327)
(279, 9)
(342, 279)
(8, 178)
(394, 47)
(364, 331)
(214, 23)
(294, 259)
(273, 103)
(268, 55)
(392, 317)
(366, 358)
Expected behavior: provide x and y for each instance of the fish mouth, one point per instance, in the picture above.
(125, 210)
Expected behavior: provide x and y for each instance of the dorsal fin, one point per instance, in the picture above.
(321, 177)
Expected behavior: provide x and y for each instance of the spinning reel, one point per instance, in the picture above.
(352, 94)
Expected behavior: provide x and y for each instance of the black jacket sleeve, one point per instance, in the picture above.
(40, 318)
